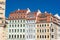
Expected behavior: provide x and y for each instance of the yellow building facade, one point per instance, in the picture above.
(46, 27)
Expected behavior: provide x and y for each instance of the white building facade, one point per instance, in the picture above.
(16, 29)
(58, 30)
(17, 25)
(30, 27)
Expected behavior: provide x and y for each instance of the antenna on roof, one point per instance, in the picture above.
(39, 12)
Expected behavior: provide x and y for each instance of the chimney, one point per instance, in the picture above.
(39, 12)
(28, 10)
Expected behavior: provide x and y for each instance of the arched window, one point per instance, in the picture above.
(40, 36)
(37, 36)
(52, 30)
(12, 36)
(20, 36)
(45, 36)
(15, 36)
(9, 36)
(23, 36)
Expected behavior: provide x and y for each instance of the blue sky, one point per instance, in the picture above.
(52, 6)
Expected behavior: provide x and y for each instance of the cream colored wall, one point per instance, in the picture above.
(47, 33)
(3, 33)
(54, 26)
(2, 29)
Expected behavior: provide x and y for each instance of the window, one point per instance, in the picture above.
(40, 25)
(18, 25)
(23, 30)
(20, 30)
(40, 36)
(47, 30)
(52, 36)
(37, 25)
(47, 24)
(23, 36)
(1, 13)
(29, 36)
(52, 30)
(47, 36)
(15, 25)
(51, 24)
(23, 20)
(20, 36)
(17, 30)
(17, 36)
(10, 25)
(40, 30)
(12, 30)
(37, 30)
(51, 19)
(33, 36)
(12, 36)
(1, 18)
(9, 36)
(10, 21)
(37, 36)
(9, 30)
(21, 25)
(2, 21)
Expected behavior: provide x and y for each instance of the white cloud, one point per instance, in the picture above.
(56, 15)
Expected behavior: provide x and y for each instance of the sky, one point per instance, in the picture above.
(51, 6)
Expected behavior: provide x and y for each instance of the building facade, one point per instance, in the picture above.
(2, 20)
(17, 25)
(46, 27)
(58, 31)
(27, 25)
(30, 26)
